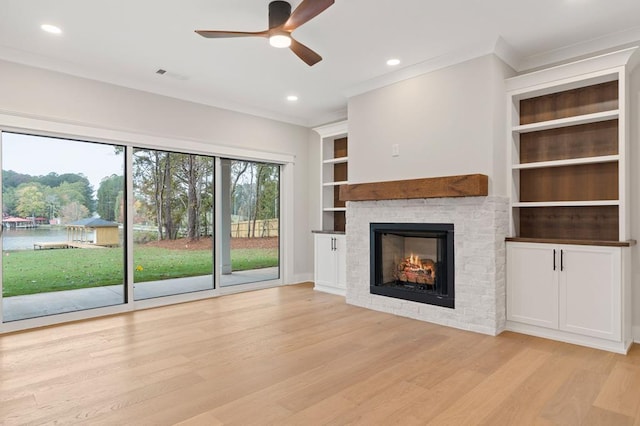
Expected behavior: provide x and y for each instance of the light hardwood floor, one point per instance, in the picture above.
(294, 356)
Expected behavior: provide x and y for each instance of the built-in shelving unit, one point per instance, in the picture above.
(330, 240)
(568, 257)
(334, 173)
(568, 159)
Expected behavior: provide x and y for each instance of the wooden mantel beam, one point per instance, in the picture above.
(447, 186)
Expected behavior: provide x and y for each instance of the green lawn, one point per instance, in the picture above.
(38, 271)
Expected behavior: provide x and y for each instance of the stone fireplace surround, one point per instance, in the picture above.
(480, 226)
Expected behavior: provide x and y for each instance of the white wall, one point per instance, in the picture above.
(634, 155)
(314, 159)
(54, 96)
(447, 122)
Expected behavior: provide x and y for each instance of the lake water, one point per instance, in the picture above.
(23, 239)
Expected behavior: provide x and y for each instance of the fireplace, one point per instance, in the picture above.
(413, 261)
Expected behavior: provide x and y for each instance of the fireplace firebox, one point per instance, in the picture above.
(413, 261)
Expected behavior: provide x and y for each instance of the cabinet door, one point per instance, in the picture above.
(325, 260)
(590, 289)
(532, 284)
(341, 261)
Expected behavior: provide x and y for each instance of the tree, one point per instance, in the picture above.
(173, 190)
(78, 182)
(11, 179)
(109, 194)
(53, 204)
(30, 200)
(266, 199)
(73, 211)
(9, 201)
(193, 176)
(153, 183)
(70, 192)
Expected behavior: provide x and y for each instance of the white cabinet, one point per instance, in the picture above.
(330, 263)
(532, 285)
(589, 297)
(568, 292)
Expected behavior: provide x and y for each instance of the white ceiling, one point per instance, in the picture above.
(126, 41)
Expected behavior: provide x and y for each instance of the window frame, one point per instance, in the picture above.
(66, 130)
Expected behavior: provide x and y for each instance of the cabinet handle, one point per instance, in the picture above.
(333, 244)
(562, 260)
(554, 259)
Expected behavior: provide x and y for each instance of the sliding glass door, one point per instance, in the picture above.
(66, 222)
(250, 219)
(173, 223)
(63, 207)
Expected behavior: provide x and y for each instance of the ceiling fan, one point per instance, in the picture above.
(281, 24)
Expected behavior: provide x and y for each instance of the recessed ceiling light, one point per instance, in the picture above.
(393, 62)
(292, 98)
(51, 29)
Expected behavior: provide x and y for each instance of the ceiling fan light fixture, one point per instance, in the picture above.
(280, 40)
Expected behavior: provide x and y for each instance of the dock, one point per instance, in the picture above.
(64, 245)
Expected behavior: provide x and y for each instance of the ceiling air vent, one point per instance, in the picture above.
(172, 75)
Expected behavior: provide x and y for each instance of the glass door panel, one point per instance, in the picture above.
(63, 206)
(173, 223)
(250, 222)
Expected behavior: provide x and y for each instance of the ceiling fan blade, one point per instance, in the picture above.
(306, 11)
(231, 34)
(303, 52)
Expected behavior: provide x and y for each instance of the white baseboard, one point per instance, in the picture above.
(328, 289)
(563, 336)
(301, 278)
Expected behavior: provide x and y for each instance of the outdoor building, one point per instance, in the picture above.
(94, 231)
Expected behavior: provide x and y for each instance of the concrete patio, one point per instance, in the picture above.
(43, 304)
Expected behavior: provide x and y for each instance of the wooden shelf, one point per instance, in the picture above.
(577, 222)
(628, 243)
(342, 182)
(594, 182)
(567, 122)
(336, 160)
(568, 143)
(571, 162)
(567, 203)
(570, 102)
(438, 187)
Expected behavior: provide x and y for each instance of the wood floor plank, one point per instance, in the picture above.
(525, 404)
(600, 417)
(477, 404)
(619, 393)
(436, 399)
(294, 356)
(572, 403)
